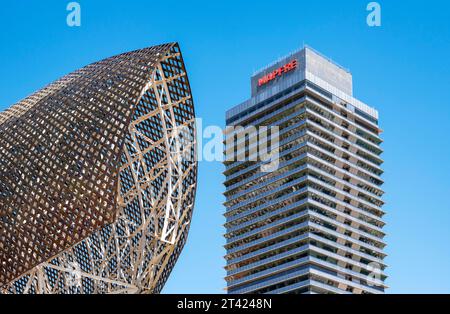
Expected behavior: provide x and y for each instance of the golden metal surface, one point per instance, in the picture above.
(98, 178)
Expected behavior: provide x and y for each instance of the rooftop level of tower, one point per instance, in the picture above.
(303, 64)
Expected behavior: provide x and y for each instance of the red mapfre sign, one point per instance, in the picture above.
(278, 72)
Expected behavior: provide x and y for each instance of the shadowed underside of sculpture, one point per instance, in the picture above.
(98, 178)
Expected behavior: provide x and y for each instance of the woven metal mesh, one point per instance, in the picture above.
(98, 177)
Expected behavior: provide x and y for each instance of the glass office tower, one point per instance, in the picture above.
(312, 224)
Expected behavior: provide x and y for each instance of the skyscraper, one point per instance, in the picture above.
(314, 223)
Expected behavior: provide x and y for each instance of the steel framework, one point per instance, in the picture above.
(98, 178)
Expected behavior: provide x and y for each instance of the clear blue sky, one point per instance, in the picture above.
(401, 68)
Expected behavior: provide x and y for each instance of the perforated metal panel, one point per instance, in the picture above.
(98, 178)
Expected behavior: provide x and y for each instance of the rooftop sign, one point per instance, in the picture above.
(278, 72)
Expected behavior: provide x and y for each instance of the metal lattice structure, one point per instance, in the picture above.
(98, 178)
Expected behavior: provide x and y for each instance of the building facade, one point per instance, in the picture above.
(314, 223)
(98, 178)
